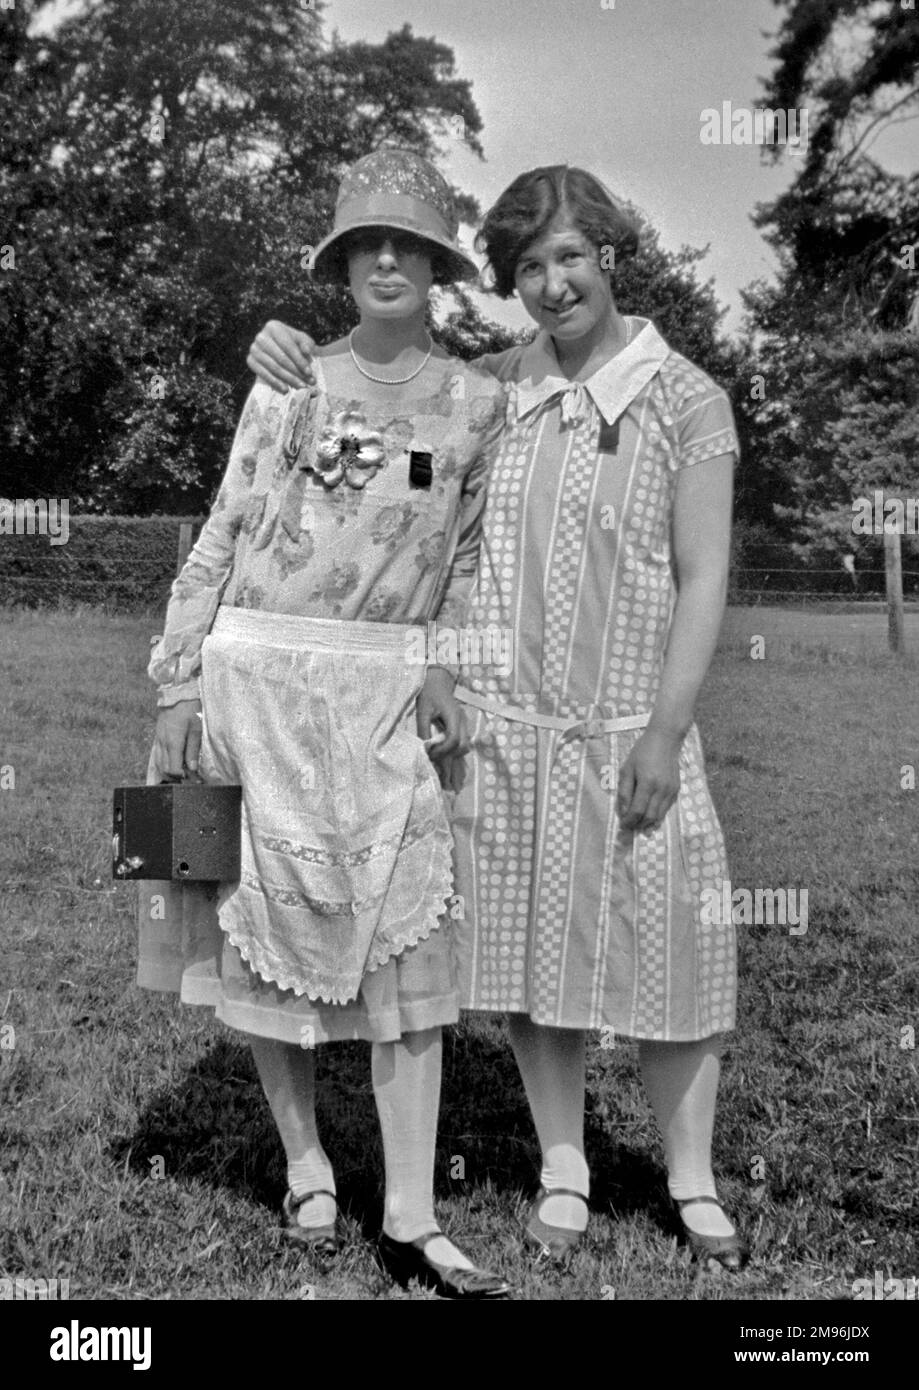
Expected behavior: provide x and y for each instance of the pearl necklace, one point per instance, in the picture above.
(388, 380)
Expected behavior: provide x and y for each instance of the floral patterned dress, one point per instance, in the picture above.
(354, 502)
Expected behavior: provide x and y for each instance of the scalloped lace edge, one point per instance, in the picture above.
(430, 909)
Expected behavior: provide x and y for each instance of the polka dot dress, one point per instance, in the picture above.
(566, 916)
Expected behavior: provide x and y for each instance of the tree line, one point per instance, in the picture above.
(166, 164)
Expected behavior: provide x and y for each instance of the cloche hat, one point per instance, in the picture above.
(398, 189)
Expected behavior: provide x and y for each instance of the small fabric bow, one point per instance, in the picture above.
(574, 403)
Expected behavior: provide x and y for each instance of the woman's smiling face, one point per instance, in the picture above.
(389, 272)
(561, 284)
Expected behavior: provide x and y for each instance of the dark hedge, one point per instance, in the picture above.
(124, 563)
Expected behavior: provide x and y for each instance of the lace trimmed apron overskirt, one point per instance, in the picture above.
(346, 849)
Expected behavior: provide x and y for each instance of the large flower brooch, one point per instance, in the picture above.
(348, 450)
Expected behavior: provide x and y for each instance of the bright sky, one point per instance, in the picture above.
(617, 86)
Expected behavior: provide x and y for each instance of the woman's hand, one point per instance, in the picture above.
(649, 781)
(280, 356)
(178, 737)
(437, 704)
(452, 772)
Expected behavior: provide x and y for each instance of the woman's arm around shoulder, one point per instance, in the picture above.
(280, 356)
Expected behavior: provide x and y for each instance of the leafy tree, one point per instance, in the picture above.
(161, 198)
(829, 333)
(844, 219)
(167, 166)
(462, 331)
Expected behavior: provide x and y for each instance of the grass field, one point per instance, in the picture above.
(818, 1127)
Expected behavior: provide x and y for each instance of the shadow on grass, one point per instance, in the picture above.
(214, 1127)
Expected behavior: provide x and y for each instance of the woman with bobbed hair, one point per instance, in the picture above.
(586, 838)
(534, 200)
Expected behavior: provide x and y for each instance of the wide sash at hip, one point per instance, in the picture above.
(312, 634)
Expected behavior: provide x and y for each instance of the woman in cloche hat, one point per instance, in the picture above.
(347, 521)
(587, 842)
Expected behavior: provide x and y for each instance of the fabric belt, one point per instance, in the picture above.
(568, 728)
(315, 634)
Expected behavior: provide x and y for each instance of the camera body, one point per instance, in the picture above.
(189, 831)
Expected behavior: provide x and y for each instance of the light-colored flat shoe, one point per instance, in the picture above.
(321, 1241)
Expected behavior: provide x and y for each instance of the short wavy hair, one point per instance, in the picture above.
(525, 210)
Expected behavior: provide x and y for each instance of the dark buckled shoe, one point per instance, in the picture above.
(321, 1241)
(730, 1251)
(405, 1260)
(554, 1244)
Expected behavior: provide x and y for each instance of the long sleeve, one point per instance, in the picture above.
(175, 659)
(452, 612)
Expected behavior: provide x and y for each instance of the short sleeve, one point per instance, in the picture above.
(705, 425)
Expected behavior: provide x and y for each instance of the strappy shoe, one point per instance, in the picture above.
(554, 1244)
(730, 1251)
(405, 1260)
(321, 1241)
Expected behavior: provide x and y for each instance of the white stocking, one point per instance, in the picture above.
(288, 1076)
(406, 1084)
(681, 1080)
(551, 1064)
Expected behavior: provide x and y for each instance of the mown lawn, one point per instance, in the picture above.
(105, 1085)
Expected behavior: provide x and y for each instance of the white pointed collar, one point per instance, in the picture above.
(612, 387)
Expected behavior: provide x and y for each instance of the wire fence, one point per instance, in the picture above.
(814, 585)
(28, 591)
(108, 582)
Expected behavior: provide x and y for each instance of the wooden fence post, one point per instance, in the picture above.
(184, 545)
(893, 575)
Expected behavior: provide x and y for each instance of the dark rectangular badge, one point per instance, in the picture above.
(420, 470)
(608, 442)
